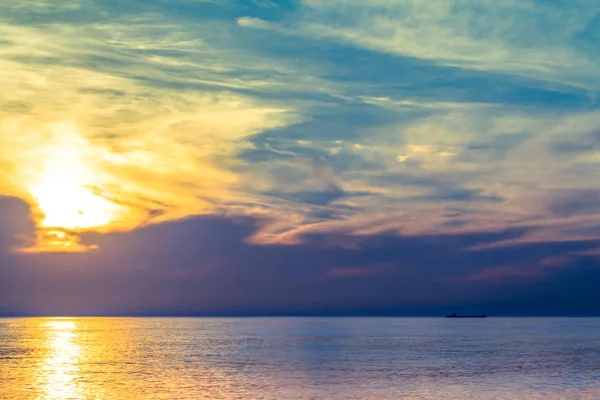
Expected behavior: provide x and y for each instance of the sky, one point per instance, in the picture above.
(299, 157)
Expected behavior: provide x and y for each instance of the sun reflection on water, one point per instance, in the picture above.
(60, 370)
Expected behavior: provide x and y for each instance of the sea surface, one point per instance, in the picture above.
(299, 358)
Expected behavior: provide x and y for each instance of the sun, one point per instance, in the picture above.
(70, 206)
(66, 189)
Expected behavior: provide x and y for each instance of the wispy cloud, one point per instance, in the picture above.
(550, 39)
(94, 134)
(328, 116)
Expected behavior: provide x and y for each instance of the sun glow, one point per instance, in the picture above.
(65, 184)
(64, 195)
(70, 206)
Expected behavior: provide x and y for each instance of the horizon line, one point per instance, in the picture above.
(277, 315)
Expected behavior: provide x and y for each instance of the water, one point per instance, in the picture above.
(299, 358)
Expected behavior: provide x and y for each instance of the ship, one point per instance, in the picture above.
(453, 315)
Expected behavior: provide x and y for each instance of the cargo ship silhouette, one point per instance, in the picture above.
(453, 315)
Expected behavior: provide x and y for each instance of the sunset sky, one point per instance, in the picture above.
(205, 157)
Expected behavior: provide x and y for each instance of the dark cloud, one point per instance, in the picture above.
(492, 147)
(330, 188)
(578, 144)
(577, 202)
(16, 232)
(315, 198)
(459, 194)
(205, 266)
(16, 225)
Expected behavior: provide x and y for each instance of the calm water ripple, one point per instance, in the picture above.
(299, 358)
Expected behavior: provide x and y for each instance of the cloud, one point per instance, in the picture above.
(16, 224)
(86, 109)
(496, 165)
(336, 120)
(204, 266)
(530, 38)
(256, 23)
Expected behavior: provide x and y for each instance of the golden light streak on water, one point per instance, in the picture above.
(61, 369)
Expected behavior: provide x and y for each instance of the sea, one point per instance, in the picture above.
(299, 358)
